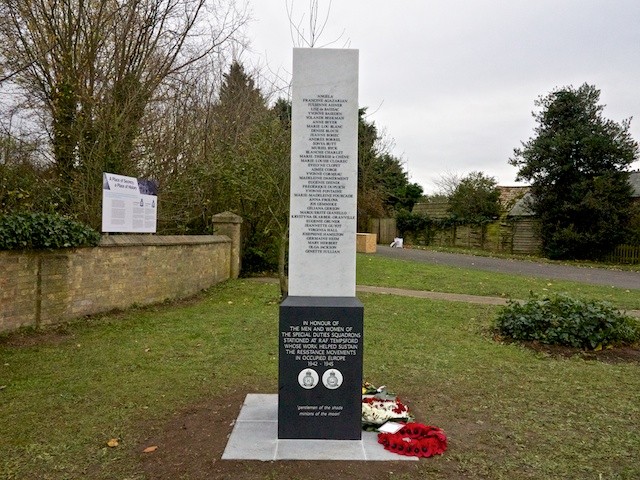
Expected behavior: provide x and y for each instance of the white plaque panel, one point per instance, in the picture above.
(129, 204)
(324, 173)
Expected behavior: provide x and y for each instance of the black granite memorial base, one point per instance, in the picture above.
(320, 368)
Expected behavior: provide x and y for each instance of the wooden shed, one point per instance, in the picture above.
(524, 227)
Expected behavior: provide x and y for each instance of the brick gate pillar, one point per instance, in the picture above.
(228, 223)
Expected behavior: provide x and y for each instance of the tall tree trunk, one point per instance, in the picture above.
(282, 258)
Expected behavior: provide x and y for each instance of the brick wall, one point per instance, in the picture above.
(39, 288)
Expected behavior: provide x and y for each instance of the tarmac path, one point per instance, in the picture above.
(597, 276)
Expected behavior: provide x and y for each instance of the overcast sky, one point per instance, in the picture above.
(453, 82)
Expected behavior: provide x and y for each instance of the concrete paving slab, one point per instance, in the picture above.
(374, 451)
(259, 407)
(252, 441)
(320, 450)
(255, 437)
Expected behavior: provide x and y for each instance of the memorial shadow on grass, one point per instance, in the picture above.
(175, 377)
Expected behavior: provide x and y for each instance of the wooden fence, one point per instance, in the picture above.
(489, 237)
(384, 228)
(625, 254)
(519, 235)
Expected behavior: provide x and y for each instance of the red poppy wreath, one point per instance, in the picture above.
(415, 439)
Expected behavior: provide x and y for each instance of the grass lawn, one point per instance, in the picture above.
(509, 412)
(389, 272)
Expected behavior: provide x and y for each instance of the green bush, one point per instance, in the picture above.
(415, 227)
(260, 252)
(411, 223)
(21, 231)
(562, 320)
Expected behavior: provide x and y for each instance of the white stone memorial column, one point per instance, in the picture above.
(321, 321)
(324, 173)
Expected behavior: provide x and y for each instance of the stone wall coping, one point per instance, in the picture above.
(226, 217)
(132, 240)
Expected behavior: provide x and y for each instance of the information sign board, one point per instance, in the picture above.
(129, 204)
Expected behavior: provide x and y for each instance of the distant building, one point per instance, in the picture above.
(518, 230)
(634, 180)
(439, 208)
(434, 210)
(510, 195)
(525, 224)
(522, 207)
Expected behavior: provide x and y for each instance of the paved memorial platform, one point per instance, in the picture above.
(255, 437)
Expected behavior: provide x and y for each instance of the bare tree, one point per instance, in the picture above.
(178, 151)
(447, 183)
(93, 67)
(264, 180)
(216, 145)
(316, 23)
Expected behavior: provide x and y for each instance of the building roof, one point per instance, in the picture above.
(510, 195)
(432, 209)
(522, 208)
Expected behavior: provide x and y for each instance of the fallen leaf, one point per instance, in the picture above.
(112, 443)
(150, 449)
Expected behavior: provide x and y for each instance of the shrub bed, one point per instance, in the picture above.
(562, 320)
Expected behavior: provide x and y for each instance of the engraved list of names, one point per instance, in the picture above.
(324, 180)
(324, 166)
